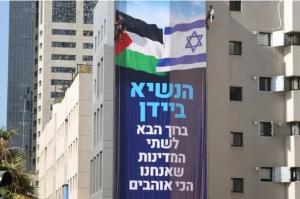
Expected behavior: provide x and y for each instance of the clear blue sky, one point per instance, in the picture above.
(4, 16)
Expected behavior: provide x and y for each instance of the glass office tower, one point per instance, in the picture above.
(21, 64)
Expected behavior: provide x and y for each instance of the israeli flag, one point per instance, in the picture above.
(184, 45)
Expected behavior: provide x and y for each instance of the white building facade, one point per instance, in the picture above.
(66, 140)
(65, 40)
(102, 158)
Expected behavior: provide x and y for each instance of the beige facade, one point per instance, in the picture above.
(276, 152)
(66, 141)
(55, 72)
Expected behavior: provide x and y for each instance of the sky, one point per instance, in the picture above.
(163, 14)
(4, 16)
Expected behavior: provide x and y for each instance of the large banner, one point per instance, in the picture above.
(160, 56)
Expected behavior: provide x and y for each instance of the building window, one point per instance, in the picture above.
(98, 79)
(235, 5)
(295, 174)
(87, 45)
(60, 82)
(237, 185)
(264, 39)
(294, 83)
(57, 94)
(88, 33)
(266, 174)
(104, 25)
(63, 57)
(64, 11)
(237, 139)
(292, 38)
(88, 10)
(235, 48)
(87, 58)
(63, 32)
(295, 128)
(56, 69)
(266, 128)
(265, 83)
(57, 44)
(235, 93)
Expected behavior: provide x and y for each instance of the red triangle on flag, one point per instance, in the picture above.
(122, 41)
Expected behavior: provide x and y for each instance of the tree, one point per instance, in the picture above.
(13, 160)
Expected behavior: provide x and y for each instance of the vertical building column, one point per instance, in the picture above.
(292, 59)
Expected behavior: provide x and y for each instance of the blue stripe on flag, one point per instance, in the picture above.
(187, 59)
(185, 27)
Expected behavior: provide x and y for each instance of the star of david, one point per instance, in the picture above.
(191, 45)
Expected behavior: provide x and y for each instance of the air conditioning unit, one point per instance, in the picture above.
(282, 174)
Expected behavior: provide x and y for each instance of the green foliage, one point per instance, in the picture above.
(13, 160)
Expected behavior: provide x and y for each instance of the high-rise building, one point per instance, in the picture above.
(252, 101)
(22, 27)
(65, 40)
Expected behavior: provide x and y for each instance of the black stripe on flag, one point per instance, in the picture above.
(137, 26)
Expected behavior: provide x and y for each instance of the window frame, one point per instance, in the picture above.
(235, 8)
(271, 170)
(270, 83)
(241, 94)
(236, 52)
(241, 134)
(242, 186)
(269, 39)
(292, 81)
(272, 128)
(292, 38)
(294, 172)
(63, 44)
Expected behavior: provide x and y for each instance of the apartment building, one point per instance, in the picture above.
(65, 39)
(21, 93)
(66, 140)
(252, 101)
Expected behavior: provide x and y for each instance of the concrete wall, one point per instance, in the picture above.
(65, 143)
(102, 169)
(225, 116)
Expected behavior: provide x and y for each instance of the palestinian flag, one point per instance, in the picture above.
(138, 45)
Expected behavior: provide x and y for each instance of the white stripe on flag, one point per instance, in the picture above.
(145, 46)
(184, 46)
(180, 67)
